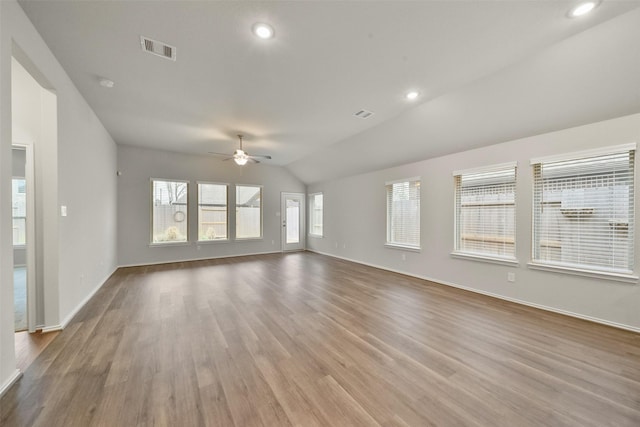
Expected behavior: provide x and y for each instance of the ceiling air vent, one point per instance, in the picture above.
(363, 114)
(158, 48)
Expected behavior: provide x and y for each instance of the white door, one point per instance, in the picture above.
(292, 215)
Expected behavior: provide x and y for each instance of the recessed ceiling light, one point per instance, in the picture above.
(262, 30)
(412, 95)
(582, 8)
(107, 83)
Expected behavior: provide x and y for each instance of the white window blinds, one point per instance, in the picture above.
(403, 213)
(584, 211)
(485, 212)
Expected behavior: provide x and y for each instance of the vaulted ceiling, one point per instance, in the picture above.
(486, 72)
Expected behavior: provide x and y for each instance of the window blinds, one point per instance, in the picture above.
(485, 212)
(584, 212)
(403, 213)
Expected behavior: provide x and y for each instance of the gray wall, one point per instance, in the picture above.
(79, 164)
(139, 165)
(355, 226)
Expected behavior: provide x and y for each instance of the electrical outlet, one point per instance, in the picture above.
(404, 257)
(273, 242)
(511, 277)
(336, 245)
(344, 246)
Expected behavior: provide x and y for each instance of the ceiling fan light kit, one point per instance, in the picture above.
(240, 157)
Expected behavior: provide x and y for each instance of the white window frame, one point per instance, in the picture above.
(311, 216)
(626, 275)
(235, 218)
(483, 256)
(395, 244)
(198, 183)
(151, 219)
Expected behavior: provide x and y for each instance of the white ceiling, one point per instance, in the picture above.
(489, 63)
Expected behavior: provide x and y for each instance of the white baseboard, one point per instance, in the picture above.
(69, 317)
(199, 259)
(51, 328)
(491, 294)
(10, 381)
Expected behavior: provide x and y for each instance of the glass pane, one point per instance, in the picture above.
(19, 207)
(248, 212)
(169, 212)
(212, 212)
(293, 221)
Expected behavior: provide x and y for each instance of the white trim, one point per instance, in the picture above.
(169, 180)
(618, 277)
(486, 258)
(491, 294)
(78, 307)
(585, 153)
(51, 328)
(169, 243)
(10, 381)
(214, 183)
(485, 169)
(197, 259)
(248, 239)
(397, 181)
(403, 247)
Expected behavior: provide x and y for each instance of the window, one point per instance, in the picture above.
(248, 212)
(403, 213)
(583, 211)
(485, 212)
(19, 208)
(212, 212)
(315, 214)
(169, 211)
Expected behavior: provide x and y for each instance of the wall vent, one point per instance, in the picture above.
(363, 114)
(158, 48)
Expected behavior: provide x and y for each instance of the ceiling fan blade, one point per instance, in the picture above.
(221, 154)
(262, 156)
(252, 160)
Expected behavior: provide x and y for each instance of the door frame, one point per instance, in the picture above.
(29, 176)
(302, 221)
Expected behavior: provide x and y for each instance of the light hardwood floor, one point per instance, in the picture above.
(303, 339)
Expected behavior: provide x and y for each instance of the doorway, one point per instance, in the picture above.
(23, 237)
(293, 221)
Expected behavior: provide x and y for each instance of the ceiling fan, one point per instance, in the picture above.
(241, 157)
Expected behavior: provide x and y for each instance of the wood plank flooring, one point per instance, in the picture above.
(29, 346)
(306, 340)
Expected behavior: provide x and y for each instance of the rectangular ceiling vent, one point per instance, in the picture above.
(158, 48)
(363, 114)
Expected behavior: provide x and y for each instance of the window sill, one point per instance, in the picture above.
(248, 239)
(618, 277)
(209, 242)
(403, 247)
(159, 245)
(485, 258)
(316, 236)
